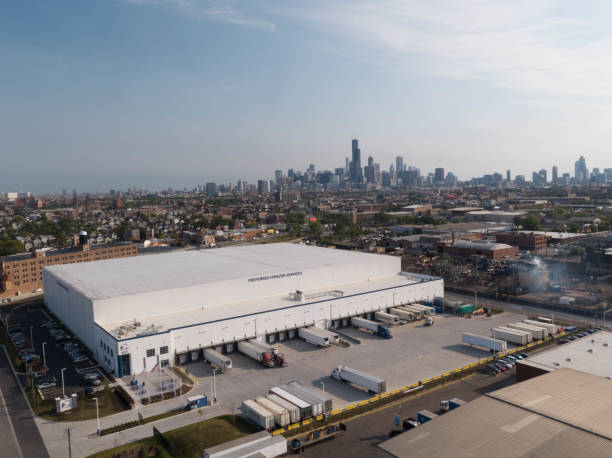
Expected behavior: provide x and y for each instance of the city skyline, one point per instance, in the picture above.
(231, 87)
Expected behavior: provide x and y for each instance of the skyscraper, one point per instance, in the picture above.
(278, 178)
(356, 171)
(555, 174)
(508, 176)
(580, 170)
(399, 164)
(439, 175)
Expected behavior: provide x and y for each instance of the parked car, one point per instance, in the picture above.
(45, 385)
(501, 367)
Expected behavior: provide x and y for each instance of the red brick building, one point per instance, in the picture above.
(466, 248)
(524, 240)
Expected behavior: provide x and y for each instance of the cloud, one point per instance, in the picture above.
(220, 10)
(550, 47)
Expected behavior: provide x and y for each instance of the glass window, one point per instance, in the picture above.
(163, 350)
(151, 352)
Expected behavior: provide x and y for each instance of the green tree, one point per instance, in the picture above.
(9, 247)
(315, 229)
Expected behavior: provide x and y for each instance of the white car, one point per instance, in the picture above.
(45, 385)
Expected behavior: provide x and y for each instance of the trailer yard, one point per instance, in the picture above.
(415, 352)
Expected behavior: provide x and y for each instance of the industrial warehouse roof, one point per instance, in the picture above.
(591, 354)
(533, 418)
(140, 274)
(480, 245)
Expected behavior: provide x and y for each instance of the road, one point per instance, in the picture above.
(366, 432)
(527, 309)
(17, 427)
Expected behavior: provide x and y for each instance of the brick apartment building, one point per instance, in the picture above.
(22, 273)
(524, 240)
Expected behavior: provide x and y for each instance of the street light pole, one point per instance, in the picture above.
(63, 392)
(214, 386)
(44, 356)
(97, 415)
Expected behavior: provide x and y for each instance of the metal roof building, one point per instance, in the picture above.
(591, 354)
(565, 413)
(138, 313)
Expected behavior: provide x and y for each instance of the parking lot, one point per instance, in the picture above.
(77, 375)
(415, 352)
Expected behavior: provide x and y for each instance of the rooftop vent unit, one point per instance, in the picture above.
(590, 350)
(605, 344)
(297, 295)
(557, 364)
(568, 359)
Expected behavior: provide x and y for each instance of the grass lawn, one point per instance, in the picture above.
(189, 440)
(108, 401)
(193, 439)
(149, 447)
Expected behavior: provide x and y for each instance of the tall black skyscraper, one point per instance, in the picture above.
(356, 170)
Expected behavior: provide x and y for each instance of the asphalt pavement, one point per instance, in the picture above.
(18, 431)
(364, 433)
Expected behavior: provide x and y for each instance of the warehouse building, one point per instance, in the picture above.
(466, 248)
(564, 413)
(138, 314)
(591, 354)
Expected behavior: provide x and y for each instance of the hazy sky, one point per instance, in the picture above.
(100, 94)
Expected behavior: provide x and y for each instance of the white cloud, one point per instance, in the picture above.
(221, 10)
(535, 46)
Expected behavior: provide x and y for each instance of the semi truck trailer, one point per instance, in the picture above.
(418, 313)
(484, 342)
(552, 328)
(318, 336)
(511, 335)
(427, 310)
(327, 401)
(257, 414)
(376, 328)
(256, 353)
(318, 405)
(281, 416)
(294, 411)
(537, 332)
(305, 407)
(221, 362)
(387, 318)
(403, 314)
(364, 380)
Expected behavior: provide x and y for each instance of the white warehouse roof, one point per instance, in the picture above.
(145, 274)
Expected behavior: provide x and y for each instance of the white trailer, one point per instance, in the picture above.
(369, 382)
(536, 332)
(281, 416)
(255, 353)
(403, 314)
(305, 407)
(418, 313)
(318, 405)
(268, 348)
(426, 308)
(484, 342)
(293, 410)
(313, 337)
(552, 328)
(327, 401)
(386, 318)
(257, 414)
(511, 335)
(218, 360)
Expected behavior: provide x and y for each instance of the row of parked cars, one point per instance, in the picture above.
(505, 363)
(65, 342)
(27, 354)
(579, 335)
